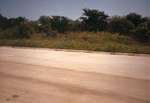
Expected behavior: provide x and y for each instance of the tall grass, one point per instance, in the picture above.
(83, 41)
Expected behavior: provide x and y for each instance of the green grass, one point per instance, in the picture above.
(83, 41)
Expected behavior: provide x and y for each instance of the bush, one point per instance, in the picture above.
(50, 33)
(121, 26)
(136, 19)
(7, 34)
(10, 33)
(25, 31)
(47, 32)
(142, 33)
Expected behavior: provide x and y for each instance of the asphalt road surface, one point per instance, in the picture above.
(29, 75)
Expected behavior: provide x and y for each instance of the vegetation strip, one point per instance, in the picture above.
(95, 31)
(84, 41)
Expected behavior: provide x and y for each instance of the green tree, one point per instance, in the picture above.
(44, 20)
(94, 20)
(142, 32)
(4, 23)
(13, 22)
(75, 25)
(120, 25)
(34, 25)
(11, 33)
(45, 27)
(136, 19)
(25, 30)
(60, 23)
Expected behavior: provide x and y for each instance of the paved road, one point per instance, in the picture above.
(53, 76)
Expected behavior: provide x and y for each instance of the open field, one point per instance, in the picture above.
(29, 75)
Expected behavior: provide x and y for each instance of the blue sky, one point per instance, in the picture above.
(33, 9)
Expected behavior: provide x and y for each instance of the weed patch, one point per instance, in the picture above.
(83, 41)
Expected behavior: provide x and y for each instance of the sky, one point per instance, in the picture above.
(33, 9)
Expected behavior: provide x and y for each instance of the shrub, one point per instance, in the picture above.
(142, 33)
(47, 31)
(51, 33)
(10, 33)
(25, 31)
(136, 19)
(7, 34)
(121, 26)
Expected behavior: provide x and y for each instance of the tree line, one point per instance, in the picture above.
(133, 25)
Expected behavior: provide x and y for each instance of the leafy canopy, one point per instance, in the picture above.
(94, 20)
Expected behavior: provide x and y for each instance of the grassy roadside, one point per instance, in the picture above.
(83, 41)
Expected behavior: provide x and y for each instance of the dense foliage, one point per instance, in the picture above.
(132, 25)
(121, 26)
(94, 20)
(142, 32)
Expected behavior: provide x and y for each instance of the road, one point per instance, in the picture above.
(29, 75)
